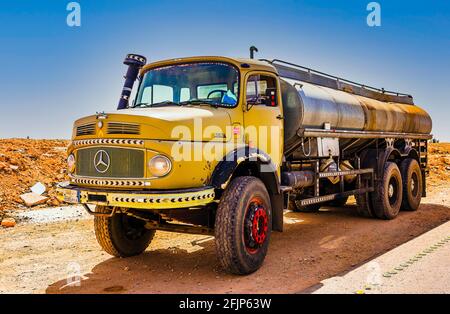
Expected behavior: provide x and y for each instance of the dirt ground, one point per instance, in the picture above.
(47, 257)
(24, 162)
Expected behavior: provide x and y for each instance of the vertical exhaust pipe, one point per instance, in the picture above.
(253, 49)
(135, 63)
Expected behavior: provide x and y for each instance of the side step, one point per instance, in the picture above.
(331, 197)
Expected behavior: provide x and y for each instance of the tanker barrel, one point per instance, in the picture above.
(298, 179)
(135, 63)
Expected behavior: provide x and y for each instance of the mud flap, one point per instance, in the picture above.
(276, 201)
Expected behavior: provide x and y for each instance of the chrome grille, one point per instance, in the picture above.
(122, 162)
(123, 128)
(86, 129)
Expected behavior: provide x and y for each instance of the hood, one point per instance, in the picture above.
(164, 123)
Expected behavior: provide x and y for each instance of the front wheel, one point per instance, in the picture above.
(121, 235)
(243, 225)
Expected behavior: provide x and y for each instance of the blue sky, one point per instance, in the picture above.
(52, 74)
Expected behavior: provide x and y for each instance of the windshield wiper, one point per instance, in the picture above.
(162, 103)
(208, 102)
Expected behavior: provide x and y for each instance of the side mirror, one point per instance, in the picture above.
(271, 97)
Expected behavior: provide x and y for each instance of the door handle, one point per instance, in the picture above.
(280, 117)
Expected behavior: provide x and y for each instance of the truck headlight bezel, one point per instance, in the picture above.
(159, 166)
(71, 163)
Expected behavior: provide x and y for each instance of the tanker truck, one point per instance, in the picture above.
(224, 146)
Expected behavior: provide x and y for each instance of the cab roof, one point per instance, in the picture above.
(241, 63)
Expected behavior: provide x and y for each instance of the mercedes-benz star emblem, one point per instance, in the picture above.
(101, 161)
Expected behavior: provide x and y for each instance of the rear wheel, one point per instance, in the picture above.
(243, 225)
(121, 235)
(387, 197)
(412, 184)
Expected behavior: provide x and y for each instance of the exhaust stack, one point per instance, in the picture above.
(135, 63)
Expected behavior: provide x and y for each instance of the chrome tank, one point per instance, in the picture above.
(307, 105)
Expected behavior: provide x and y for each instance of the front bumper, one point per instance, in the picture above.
(155, 199)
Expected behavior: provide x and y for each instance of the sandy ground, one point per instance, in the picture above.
(51, 248)
(48, 257)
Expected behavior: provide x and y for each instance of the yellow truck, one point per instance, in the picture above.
(223, 146)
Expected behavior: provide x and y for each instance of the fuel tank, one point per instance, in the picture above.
(310, 106)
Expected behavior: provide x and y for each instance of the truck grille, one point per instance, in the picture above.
(123, 128)
(110, 162)
(86, 129)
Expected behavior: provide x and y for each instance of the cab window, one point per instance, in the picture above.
(157, 93)
(210, 91)
(261, 89)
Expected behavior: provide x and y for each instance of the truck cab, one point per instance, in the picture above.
(204, 146)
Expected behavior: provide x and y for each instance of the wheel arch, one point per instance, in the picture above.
(412, 153)
(254, 162)
(377, 158)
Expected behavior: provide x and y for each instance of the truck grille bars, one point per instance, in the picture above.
(110, 162)
(86, 129)
(112, 128)
(123, 128)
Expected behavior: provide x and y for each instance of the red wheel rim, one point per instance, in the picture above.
(255, 226)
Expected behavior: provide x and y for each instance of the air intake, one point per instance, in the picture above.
(87, 129)
(123, 128)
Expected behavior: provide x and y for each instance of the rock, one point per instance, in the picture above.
(38, 188)
(8, 222)
(13, 162)
(53, 202)
(3, 165)
(32, 199)
(14, 167)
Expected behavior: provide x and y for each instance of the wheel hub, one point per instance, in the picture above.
(256, 226)
(391, 190)
(259, 226)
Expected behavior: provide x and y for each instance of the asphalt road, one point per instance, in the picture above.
(419, 266)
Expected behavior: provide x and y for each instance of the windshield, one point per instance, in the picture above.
(211, 83)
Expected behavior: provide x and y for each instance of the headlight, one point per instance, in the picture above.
(159, 165)
(71, 163)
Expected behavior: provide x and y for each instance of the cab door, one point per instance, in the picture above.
(263, 114)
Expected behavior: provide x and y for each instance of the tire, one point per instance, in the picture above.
(121, 235)
(243, 225)
(338, 202)
(387, 197)
(412, 184)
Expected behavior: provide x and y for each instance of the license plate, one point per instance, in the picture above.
(71, 196)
